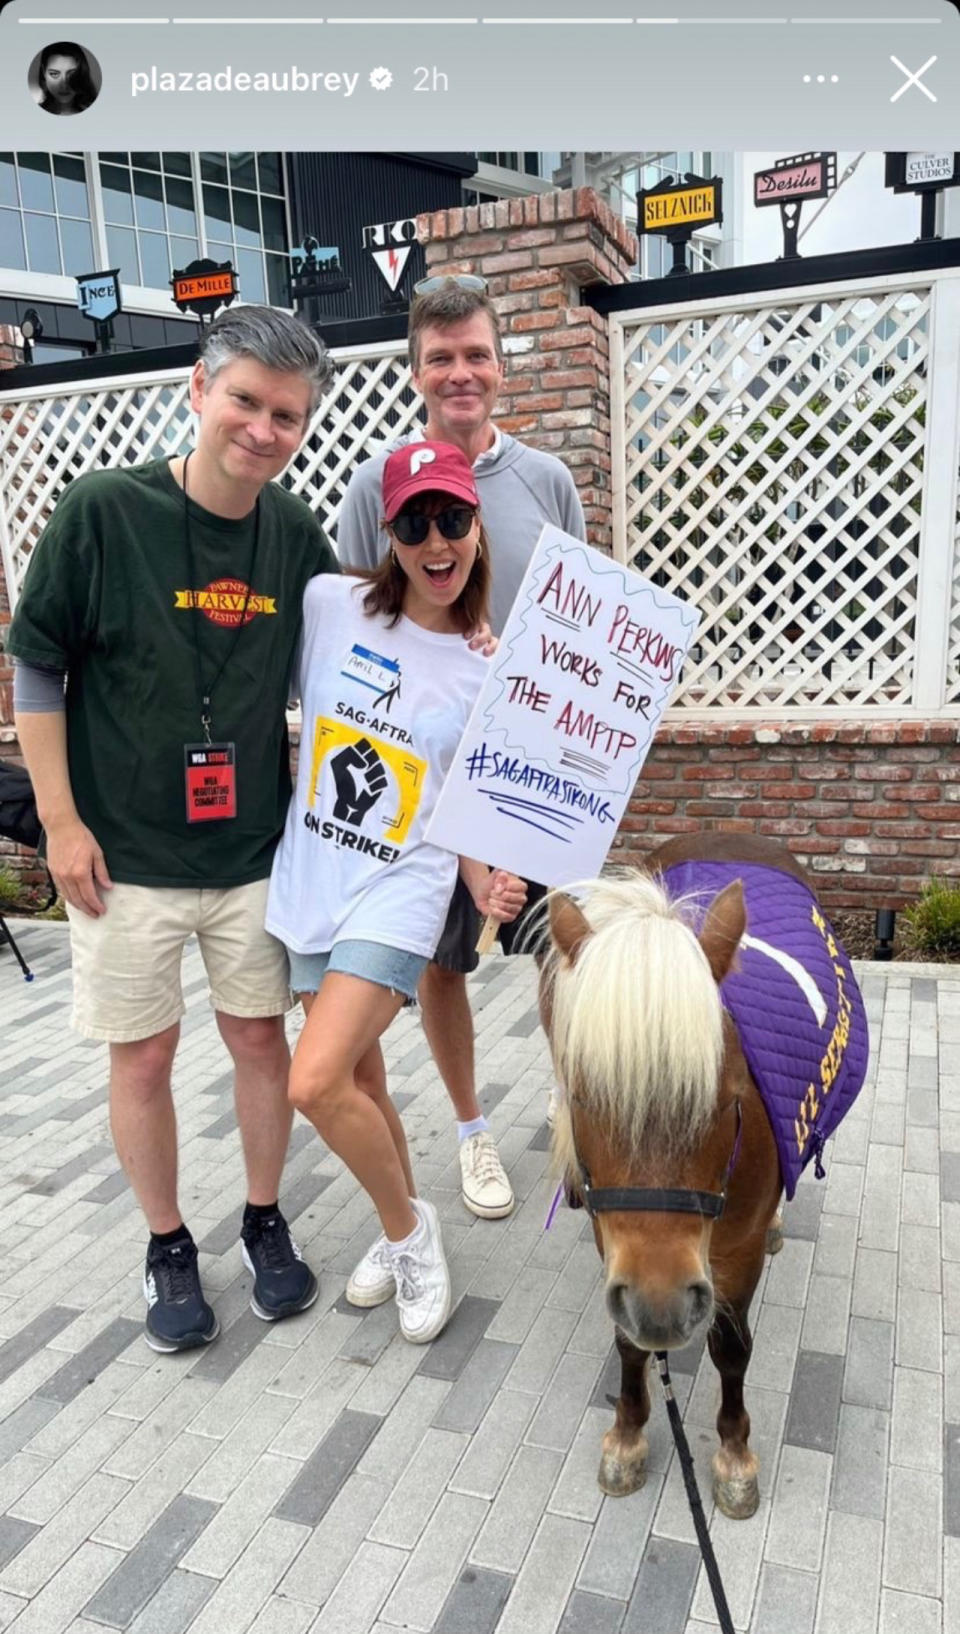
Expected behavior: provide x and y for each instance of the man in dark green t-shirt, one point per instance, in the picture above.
(169, 595)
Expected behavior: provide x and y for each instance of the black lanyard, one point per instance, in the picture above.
(205, 690)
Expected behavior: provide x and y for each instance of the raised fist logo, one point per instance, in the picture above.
(359, 779)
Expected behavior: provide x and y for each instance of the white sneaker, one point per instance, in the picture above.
(373, 1281)
(553, 1105)
(485, 1188)
(422, 1278)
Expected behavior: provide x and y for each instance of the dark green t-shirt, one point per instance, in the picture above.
(109, 596)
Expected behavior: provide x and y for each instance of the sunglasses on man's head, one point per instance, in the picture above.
(464, 280)
(412, 527)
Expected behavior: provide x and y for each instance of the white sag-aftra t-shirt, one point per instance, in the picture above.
(383, 711)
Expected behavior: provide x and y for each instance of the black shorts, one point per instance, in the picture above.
(457, 948)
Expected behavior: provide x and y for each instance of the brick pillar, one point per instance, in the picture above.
(11, 354)
(536, 254)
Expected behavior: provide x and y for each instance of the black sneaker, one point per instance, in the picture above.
(178, 1316)
(283, 1283)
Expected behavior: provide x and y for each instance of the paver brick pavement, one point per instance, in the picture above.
(321, 1477)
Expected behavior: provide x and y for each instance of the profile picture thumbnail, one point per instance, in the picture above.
(64, 78)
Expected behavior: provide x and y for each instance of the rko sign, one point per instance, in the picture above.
(390, 243)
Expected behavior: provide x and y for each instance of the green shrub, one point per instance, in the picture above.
(932, 925)
(10, 886)
(17, 896)
(56, 912)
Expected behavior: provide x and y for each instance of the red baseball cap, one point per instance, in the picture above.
(425, 468)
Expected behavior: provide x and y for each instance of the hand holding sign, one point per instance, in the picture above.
(586, 665)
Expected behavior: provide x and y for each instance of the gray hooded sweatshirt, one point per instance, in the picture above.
(520, 489)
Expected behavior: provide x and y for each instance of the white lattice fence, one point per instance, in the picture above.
(48, 436)
(772, 463)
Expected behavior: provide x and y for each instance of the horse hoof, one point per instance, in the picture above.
(774, 1239)
(618, 1479)
(738, 1498)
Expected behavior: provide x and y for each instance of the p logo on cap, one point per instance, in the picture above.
(420, 457)
(426, 467)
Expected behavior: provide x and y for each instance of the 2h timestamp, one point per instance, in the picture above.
(430, 79)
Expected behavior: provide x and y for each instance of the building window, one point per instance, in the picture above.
(149, 214)
(45, 214)
(153, 223)
(245, 221)
(527, 164)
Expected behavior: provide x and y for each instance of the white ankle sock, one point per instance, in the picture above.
(476, 1126)
(405, 1242)
(416, 1233)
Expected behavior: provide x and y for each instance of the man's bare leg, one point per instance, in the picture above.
(144, 1124)
(261, 1059)
(283, 1283)
(448, 1024)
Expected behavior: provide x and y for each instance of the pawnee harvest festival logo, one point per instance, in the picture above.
(226, 601)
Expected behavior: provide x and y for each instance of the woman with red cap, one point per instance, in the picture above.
(386, 682)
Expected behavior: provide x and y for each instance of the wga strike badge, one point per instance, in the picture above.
(210, 774)
(229, 602)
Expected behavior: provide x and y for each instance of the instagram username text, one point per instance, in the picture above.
(160, 82)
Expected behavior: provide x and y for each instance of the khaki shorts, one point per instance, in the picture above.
(126, 964)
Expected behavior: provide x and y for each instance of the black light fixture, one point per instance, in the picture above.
(31, 329)
(883, 933)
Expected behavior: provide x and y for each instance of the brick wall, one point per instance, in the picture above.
(871, 809)
(535, 254)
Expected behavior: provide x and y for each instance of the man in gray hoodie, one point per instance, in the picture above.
(457, 362)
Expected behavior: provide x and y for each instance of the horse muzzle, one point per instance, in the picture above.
(662, 1324)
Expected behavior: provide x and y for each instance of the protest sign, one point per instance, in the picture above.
(586, 665)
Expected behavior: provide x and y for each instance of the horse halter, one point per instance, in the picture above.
(656, 1199)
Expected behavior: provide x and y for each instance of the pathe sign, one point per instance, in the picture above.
(316, 271)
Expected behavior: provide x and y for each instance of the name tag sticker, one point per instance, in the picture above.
(210, 775)
(371, 669)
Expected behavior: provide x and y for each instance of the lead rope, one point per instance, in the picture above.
(693, 1497)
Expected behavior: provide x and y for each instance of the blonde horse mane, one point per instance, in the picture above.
(636, 1027)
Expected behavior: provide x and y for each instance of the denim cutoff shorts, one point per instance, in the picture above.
(389, 967)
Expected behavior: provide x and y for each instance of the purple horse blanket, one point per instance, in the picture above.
(795, 1002)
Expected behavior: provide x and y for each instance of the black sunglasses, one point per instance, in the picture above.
(412, 527)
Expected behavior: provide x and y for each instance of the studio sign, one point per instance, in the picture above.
(807, 176)
(98, 295)
(787, 183)
(390, 243)
(676, 209)
(679, 207)
(204, 286)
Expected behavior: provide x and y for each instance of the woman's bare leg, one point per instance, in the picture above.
(371, 1076)
(337, 1080)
